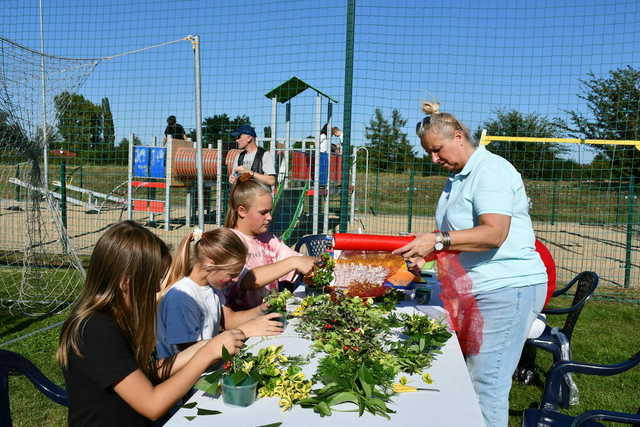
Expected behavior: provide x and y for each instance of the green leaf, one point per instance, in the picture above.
(323, 409)
(342, 397)
(190, 417)
(225, 354)
(202, 411)
(190, 405)
(238, 377)
(271, 425)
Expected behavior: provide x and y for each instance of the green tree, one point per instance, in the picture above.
(531, 159)
(78, 121)
(613, 102)
(388, 145)
(107, 128)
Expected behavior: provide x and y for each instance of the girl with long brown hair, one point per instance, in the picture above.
(107, 343)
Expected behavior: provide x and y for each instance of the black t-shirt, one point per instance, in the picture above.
(176, 131)
(107, 359)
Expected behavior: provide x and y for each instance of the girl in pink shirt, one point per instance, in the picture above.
(249, 215)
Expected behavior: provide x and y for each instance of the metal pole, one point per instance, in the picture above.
(630, 206)
(219, 184)
(353, 183)
(195, 42)
(45, 140)
(348, 89)
(366, 182)
(167, 188)
(316, 170)
(274, 127)
(410, 204)
(129, 179)
(325, 222)
(63, 192)
(287, 143)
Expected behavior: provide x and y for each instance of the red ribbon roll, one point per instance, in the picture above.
(369, 242)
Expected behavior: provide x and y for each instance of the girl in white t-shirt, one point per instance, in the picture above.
(249, 215)
(191, 307)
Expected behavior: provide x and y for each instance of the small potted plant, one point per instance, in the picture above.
(320, 276)
(277, 302)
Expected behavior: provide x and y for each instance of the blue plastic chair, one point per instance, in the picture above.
(547, 415)
(315, 244)
(583, 286)
(13, 363)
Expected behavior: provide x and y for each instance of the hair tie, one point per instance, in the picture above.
(196, 234)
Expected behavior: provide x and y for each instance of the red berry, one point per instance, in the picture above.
(227, 365)
(346, 347)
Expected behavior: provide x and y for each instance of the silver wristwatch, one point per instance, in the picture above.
(439, 245)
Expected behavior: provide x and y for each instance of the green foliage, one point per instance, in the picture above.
(614, 114)
(322, 273)
(388, 146)
(277, 301)
(531, 159)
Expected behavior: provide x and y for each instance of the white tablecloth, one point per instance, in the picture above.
(454, 405)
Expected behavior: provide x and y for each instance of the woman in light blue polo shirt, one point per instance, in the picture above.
(483, 212)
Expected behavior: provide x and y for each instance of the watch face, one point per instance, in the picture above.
(438, 246)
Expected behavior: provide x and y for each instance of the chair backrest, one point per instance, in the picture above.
(315, 244)
(10, 363)
(586, 284)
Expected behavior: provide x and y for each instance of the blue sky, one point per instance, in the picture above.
(474, 57)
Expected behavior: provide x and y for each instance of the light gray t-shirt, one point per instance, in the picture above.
(268, 164)
(187, 313)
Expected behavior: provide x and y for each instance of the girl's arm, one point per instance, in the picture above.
(260, 276)
(154, 401)
(252, 322)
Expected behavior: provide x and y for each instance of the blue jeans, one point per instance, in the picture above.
(507, 314)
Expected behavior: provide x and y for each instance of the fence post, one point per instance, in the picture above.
(410, 203)
(554, 201)
(63, 192)
(630, 207)
(17, 186)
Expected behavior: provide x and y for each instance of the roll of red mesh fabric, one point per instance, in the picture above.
(369, 242)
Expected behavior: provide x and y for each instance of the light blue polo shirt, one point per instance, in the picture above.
(490, 184)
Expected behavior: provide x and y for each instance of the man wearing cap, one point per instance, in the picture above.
(252, 159)
(174, 129)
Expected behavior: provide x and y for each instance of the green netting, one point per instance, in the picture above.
(515, 68)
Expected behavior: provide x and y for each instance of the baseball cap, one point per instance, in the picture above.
(244, 129)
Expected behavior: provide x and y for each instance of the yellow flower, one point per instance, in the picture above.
(427, 378)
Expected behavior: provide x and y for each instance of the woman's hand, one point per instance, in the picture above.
(232, 340)
(262, 326)
(421, 246)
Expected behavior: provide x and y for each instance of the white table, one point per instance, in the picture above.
(454, 405)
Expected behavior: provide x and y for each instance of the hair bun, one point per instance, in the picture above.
(430, 107)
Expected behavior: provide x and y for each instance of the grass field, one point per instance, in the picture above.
(606, 333)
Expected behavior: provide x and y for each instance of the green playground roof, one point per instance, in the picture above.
(291, 88)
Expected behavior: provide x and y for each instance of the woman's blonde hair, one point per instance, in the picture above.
(444, 124)
(222, 246)
(244, 193)
(127, 256)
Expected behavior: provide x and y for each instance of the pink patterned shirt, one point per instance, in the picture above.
(264, 249)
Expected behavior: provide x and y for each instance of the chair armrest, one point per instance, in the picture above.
(599, 415)
(555, 377)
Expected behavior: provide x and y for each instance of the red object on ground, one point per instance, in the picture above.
(369, 242)
(62, 153)
(550, 265)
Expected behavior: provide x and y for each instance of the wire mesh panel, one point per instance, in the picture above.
(294, 71)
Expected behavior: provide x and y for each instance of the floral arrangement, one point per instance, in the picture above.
(322, 273)
(277, 301)
(361, 359)
(276, 375)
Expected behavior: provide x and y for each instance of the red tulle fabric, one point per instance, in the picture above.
(460, 303)
(550, 266)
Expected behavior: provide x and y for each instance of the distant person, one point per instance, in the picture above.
(324, 141)
(174, 129)
(253, 160)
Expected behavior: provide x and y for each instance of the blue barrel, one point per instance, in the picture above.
(141, 161)
(158, 161)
